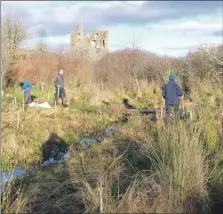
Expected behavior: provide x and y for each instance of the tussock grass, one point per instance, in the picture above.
(147, 167)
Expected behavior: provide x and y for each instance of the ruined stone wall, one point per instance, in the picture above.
(99, 40)
(96, 42)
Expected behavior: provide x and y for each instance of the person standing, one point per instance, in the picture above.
(172, 93)
(59, 86)
(26, 88)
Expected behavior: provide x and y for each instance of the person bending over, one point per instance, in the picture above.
(26, 88)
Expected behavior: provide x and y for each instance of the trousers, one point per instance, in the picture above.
(60, 93)
(170, 109)
(27, 94)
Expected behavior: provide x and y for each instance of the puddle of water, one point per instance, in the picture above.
(85, 142)
(88, 141)
(17, 172)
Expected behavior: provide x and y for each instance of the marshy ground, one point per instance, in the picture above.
(146, 166)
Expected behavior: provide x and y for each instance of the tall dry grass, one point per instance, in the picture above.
(147, 167)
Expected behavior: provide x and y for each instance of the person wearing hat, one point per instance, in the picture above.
(172, 93)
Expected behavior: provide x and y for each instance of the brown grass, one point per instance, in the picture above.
(147, 167)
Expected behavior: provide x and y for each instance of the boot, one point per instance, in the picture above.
(64, 103)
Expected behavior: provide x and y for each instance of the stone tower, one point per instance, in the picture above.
(77, 37)
(96, 41)
(99, 40)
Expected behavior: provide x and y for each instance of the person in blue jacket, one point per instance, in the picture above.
(172, 93)
(26, 88)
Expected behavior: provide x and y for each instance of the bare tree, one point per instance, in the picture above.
(126, 68)
(211, 54)
(13, 33)
(134, 62)
(84, 53)
(60, 59)
(40, 51)
(214, 54)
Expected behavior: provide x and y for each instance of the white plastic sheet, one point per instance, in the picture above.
(41, 105)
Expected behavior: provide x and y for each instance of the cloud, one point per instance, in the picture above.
(98, 15)
(162, 25)
(189, 28)
(150, 12)
(218, 33)
(162, 38)
(22, 4)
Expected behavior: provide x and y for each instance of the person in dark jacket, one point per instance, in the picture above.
(26, 88)
(59, 86)
(172, 93)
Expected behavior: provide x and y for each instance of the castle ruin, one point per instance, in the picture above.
(96, 41)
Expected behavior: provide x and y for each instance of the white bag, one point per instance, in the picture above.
(41, 105)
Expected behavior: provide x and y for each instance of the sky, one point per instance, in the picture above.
(163, 27)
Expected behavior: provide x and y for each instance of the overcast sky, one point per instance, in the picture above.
(162, 27)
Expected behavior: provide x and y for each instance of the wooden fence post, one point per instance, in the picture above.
(100, 200)
(23, 105)
(18, 119)
(55, 106)
(161, 111)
